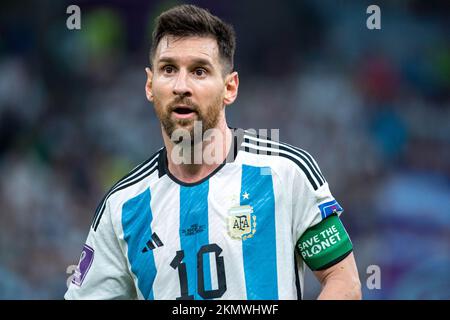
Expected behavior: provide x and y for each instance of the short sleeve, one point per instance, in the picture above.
(102, 272)
(312, 203)
(321, 238)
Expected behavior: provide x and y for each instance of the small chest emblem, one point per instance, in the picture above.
(241, 222)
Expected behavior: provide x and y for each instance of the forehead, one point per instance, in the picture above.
(186, 48)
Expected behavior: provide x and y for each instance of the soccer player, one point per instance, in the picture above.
(243, 226)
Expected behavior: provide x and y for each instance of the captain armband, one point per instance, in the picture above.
(324, 244)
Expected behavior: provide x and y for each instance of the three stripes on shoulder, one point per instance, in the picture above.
(260, 145)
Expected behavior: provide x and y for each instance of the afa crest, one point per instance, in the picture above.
(241, 222)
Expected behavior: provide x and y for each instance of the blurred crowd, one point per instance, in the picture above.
(372, 107)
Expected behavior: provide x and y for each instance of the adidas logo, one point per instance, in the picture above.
(153, 243)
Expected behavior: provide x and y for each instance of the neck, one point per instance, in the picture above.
(190, 163)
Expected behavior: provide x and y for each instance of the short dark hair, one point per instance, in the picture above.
(190, 20)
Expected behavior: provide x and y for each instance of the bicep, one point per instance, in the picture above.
(345, 270)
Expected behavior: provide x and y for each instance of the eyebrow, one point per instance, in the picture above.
(195, 61)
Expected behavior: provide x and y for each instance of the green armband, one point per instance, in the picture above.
(324, 244)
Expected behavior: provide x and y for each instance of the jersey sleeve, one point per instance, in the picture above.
(321, 239)
(102, 272)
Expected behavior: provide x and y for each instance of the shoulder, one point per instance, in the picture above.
(285, 158)
(128, 185)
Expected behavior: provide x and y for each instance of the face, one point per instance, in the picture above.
(187, 84)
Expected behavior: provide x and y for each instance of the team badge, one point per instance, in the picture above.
(241, 222)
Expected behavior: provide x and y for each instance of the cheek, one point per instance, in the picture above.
(162, 86)
(159, 90)
(159, 98)
(211, 94)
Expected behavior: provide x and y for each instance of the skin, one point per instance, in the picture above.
(188, 72)
(340, 281)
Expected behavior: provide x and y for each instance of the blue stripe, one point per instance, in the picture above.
(259, 251)
(136, 220)
(194, 216)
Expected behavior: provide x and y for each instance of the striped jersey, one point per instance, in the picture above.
(231, 235)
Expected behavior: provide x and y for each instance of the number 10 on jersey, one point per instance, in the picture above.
(177, 263)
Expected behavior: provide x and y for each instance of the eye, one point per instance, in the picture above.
(168, 69)
(200, 72)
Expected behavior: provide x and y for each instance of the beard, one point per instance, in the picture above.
(209, 117)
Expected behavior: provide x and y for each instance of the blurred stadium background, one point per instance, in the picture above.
(372, 106)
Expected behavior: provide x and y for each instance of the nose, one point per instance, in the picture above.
(181, 86)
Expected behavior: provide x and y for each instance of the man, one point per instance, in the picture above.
(242, 226)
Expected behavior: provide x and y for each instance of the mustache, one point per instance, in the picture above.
(182, 101)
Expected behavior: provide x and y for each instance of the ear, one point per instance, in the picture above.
(148, 85)
(231, 88)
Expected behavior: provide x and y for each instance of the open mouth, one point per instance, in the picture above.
(183, 110)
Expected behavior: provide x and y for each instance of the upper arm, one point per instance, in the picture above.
(341, 280)
(345, 269)
(321, 239)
